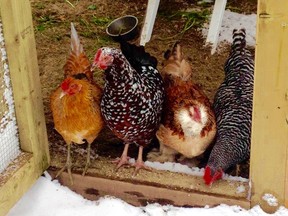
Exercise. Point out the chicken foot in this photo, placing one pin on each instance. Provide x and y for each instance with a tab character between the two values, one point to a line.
140	163
124	159
68	165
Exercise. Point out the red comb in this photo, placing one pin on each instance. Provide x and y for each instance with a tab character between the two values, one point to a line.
65	84
97	56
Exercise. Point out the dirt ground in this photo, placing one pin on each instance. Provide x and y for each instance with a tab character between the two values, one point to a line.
52	29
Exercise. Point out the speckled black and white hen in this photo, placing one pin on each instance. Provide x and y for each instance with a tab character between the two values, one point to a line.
233	110
133	96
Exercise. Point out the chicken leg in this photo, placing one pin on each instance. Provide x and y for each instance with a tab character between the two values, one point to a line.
68	165
88	159
140	163
124	159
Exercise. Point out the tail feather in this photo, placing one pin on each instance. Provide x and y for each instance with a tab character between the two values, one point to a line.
77	62
175	54
239	39
76	46
136	55
176	65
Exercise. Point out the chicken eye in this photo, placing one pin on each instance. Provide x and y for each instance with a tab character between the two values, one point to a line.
73	86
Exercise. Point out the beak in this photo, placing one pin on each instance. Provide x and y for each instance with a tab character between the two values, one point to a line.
93	67
62	94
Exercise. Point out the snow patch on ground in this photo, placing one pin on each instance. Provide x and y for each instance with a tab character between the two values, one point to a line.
176	167
180	168
232	20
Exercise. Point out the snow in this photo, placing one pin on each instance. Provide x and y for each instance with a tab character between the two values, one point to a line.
232	20
49	198
176	167
180	168
270	199
9	142
240	189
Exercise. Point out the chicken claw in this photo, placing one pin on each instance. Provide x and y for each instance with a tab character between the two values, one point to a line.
140	163
121	162
124	159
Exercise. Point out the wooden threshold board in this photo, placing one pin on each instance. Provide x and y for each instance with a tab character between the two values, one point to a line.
163	187
20	161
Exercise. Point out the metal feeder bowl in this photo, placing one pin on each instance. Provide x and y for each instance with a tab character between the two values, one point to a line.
125	26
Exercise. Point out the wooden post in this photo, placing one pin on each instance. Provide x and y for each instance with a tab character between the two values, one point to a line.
269	164
21	52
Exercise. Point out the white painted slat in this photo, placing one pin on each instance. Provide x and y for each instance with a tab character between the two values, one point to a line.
150	17
215	24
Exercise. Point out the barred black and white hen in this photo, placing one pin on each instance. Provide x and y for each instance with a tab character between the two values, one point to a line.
233	110
133	96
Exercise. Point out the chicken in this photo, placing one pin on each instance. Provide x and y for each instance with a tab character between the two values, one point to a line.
133	96
188	123
75	104
233	110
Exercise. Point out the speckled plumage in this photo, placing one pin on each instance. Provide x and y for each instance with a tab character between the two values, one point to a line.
132	101
233	108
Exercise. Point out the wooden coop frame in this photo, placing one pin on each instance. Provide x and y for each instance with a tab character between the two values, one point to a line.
20	46
269	151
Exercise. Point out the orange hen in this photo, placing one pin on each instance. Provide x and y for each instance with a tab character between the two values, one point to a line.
188	123
75	103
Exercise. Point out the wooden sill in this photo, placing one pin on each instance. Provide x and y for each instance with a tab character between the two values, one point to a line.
16	180
163	187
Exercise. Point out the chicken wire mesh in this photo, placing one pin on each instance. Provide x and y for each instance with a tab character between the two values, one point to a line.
9	141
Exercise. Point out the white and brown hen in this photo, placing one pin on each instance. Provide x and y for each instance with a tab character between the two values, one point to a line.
188	123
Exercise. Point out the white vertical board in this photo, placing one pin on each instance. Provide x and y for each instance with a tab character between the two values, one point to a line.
215	24
150	17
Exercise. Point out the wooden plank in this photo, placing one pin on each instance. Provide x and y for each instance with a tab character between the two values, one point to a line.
148	25
215	24
137	194
16	180
156	182
3	106
269	170
21	51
